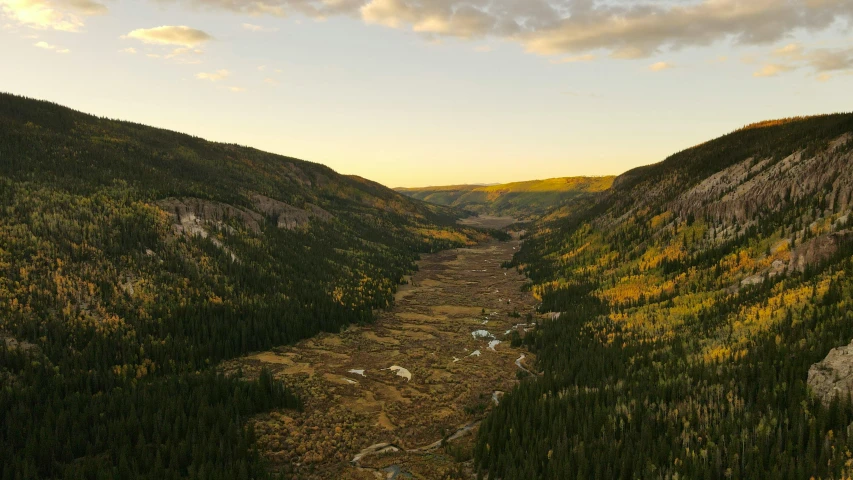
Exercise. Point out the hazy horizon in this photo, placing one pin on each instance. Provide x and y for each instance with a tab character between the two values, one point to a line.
412	94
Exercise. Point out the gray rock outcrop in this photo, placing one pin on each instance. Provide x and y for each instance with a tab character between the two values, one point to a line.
833	376
818	249
190	215
287	216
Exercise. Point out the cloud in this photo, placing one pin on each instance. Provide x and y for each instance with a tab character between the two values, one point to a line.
257	28
130	50
53	48
463	20
170	35
622	29
822	61
574	59
280	8
772	69
86	7
830	60
237	89
185	55
483	48
63	15
792	50
642	29
660	66
271	81
749	59
213	76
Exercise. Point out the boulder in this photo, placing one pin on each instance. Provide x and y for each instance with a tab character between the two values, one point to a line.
833	375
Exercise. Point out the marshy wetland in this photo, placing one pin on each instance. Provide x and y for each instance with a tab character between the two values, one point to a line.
402	397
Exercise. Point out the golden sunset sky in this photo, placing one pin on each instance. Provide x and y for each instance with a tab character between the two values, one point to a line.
426	92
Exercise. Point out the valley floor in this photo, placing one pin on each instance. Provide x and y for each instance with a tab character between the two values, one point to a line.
427	369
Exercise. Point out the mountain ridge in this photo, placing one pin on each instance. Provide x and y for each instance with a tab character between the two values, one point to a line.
135	259
524	198
691	300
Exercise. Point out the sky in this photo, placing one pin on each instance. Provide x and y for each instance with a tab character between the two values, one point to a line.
435	92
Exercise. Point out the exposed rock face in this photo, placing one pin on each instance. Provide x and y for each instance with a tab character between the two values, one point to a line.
833	375
288	216
319	212
756	186
776	268
818	249
740	195
191	214
13	344
127	287
752	280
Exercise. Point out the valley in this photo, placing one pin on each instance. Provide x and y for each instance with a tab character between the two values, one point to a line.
426	240
177	308
427	369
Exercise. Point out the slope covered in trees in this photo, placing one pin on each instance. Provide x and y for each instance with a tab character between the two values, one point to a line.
520	199
693	298
133	260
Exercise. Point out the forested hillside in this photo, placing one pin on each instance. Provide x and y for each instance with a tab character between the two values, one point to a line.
133	260
524	200
693	297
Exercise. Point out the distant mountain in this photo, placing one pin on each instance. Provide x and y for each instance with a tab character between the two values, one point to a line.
690	301
520	199
134	259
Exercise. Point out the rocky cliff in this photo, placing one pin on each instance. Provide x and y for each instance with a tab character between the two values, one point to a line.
833	376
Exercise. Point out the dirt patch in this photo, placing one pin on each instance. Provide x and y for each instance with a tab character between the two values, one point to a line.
420	317
385	422
299	369
419	327
414	334
403	292
443	413
458	310
391	394
270	357
383	340
365	404
338	379
332	341
331	355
